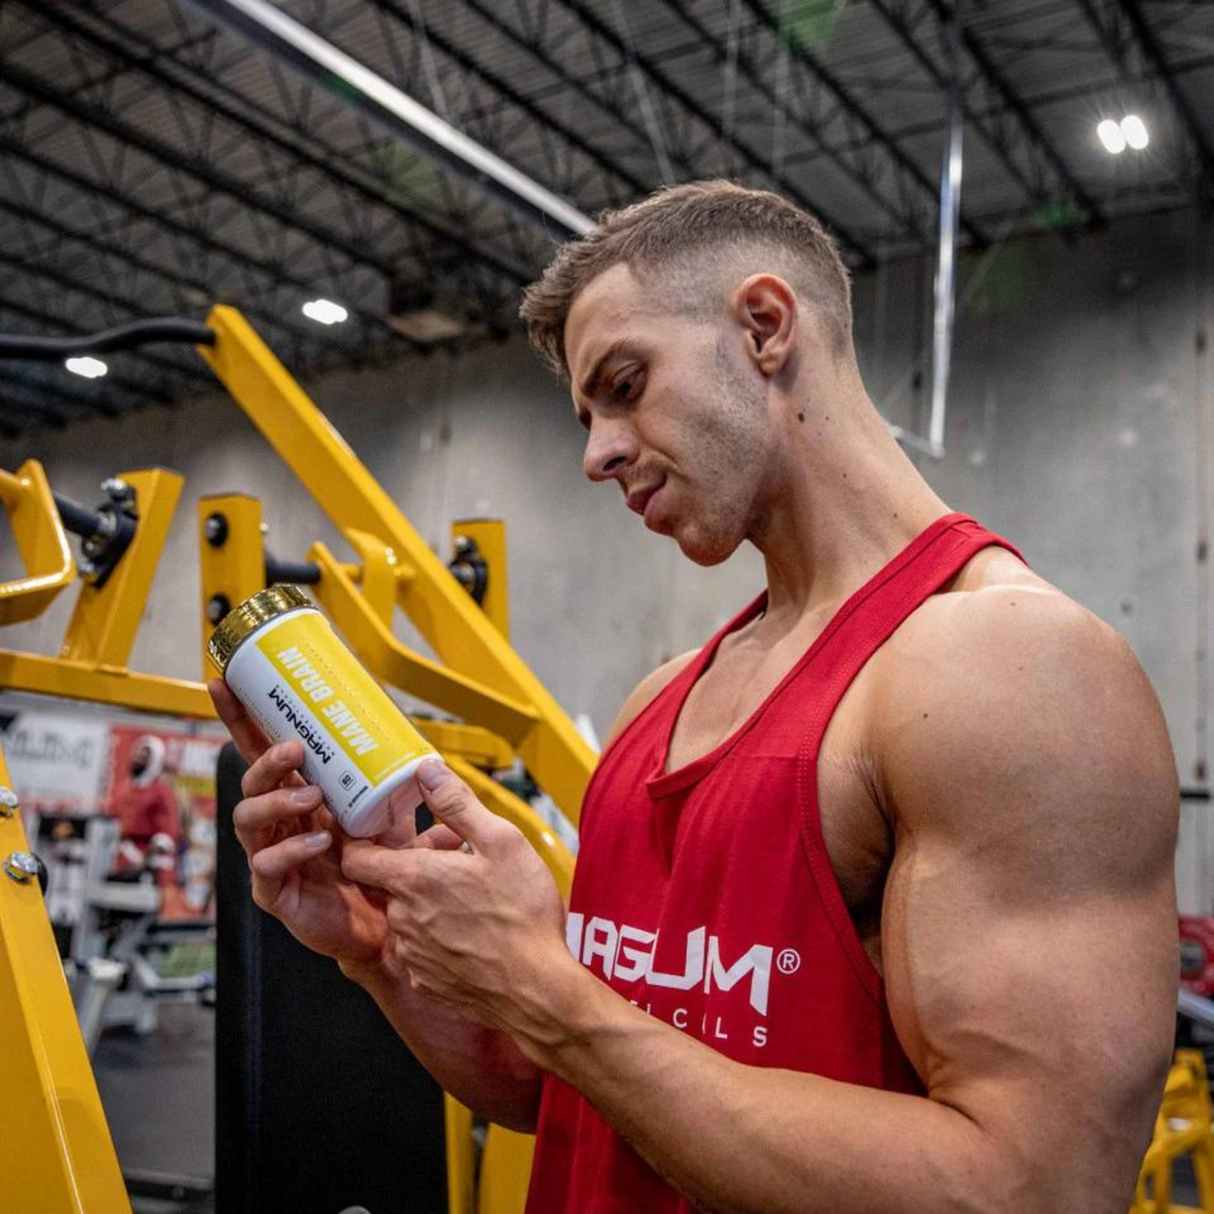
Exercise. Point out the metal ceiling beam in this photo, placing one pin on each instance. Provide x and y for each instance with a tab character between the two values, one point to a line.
161	391
92	114
502	86
134	387
175	281
1034	101
541	54
245	266
747	155
46	397
198	245
34	400
238	259
1014	104
1106	18
63	282
924	181
400	114
864	181
1197	132
155	64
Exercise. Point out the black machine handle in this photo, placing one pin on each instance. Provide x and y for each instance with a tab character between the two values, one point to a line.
123	337
105	533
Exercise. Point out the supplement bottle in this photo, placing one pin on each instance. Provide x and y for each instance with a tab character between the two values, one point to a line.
297	679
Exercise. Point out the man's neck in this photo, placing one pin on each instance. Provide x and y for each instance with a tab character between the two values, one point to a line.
847	500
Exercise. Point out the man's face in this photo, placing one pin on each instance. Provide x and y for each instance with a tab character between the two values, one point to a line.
676	413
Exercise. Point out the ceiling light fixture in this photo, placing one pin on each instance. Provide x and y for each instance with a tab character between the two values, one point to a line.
86	365
1112	136
1135	132
325	312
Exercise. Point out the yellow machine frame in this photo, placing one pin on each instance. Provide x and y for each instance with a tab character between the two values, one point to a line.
56	1145
504	711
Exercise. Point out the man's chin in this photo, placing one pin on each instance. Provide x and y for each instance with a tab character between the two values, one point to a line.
704	550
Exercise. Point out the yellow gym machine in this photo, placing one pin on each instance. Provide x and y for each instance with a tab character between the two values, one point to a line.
56	1150
1183	1129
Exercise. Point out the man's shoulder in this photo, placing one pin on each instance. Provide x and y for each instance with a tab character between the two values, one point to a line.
1003	690
996	619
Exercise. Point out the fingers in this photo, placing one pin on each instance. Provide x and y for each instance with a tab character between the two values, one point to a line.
246	733
402	823
271	864
455	805
438	838
256	817
279	763
394	870
368	864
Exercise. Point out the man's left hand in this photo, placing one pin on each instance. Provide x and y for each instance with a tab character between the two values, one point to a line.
475	916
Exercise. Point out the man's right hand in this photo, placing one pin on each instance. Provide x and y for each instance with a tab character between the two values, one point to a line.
294	847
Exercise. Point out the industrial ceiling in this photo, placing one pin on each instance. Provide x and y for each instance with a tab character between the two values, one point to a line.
153	162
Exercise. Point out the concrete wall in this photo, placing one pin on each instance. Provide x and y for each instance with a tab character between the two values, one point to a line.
1079	427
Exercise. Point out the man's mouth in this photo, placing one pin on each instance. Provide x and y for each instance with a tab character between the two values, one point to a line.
638	499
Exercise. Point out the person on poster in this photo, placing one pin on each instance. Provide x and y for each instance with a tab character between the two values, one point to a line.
146	809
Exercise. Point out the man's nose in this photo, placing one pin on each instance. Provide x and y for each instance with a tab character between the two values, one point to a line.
608	449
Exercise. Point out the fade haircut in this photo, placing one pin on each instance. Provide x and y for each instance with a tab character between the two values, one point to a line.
682	240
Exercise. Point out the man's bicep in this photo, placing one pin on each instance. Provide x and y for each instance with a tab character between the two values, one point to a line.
1045	1008
1029	926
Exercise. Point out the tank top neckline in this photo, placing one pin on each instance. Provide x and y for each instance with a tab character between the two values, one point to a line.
662	783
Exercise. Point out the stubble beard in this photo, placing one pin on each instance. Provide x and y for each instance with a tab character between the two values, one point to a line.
732	451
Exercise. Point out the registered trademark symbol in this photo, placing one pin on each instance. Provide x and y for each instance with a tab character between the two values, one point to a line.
789	961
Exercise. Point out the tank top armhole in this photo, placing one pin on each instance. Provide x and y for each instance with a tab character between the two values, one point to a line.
975	539
813	844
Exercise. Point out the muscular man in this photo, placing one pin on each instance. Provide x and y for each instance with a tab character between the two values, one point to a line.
874	909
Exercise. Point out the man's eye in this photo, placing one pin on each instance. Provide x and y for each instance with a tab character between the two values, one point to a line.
625	388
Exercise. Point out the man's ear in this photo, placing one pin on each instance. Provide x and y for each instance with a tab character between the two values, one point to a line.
766	308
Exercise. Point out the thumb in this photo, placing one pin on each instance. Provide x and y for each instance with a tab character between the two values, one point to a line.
454	804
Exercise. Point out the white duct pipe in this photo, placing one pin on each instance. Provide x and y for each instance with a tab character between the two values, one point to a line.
400	114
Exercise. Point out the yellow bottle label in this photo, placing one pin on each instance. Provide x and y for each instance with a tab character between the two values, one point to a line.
341	696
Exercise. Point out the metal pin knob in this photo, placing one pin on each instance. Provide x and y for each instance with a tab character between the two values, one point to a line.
115	487
8	802
22	866
216	529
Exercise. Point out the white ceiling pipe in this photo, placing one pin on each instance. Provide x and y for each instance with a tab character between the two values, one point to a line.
324	64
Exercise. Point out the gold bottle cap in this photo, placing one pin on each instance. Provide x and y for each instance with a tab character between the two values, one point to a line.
262	607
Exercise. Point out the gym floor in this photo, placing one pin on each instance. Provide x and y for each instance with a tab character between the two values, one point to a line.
159	1096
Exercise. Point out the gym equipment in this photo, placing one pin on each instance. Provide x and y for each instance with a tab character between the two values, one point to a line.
56	1148
504	710
118	942
365	1126
1182	1128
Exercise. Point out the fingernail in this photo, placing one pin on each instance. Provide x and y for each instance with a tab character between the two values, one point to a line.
433	773
316	840
305	796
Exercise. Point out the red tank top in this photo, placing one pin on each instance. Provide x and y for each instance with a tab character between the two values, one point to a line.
706	896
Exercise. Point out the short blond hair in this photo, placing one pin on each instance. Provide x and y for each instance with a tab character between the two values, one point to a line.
689	231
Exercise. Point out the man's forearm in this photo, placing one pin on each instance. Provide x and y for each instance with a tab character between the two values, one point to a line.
480	1067
736	1139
